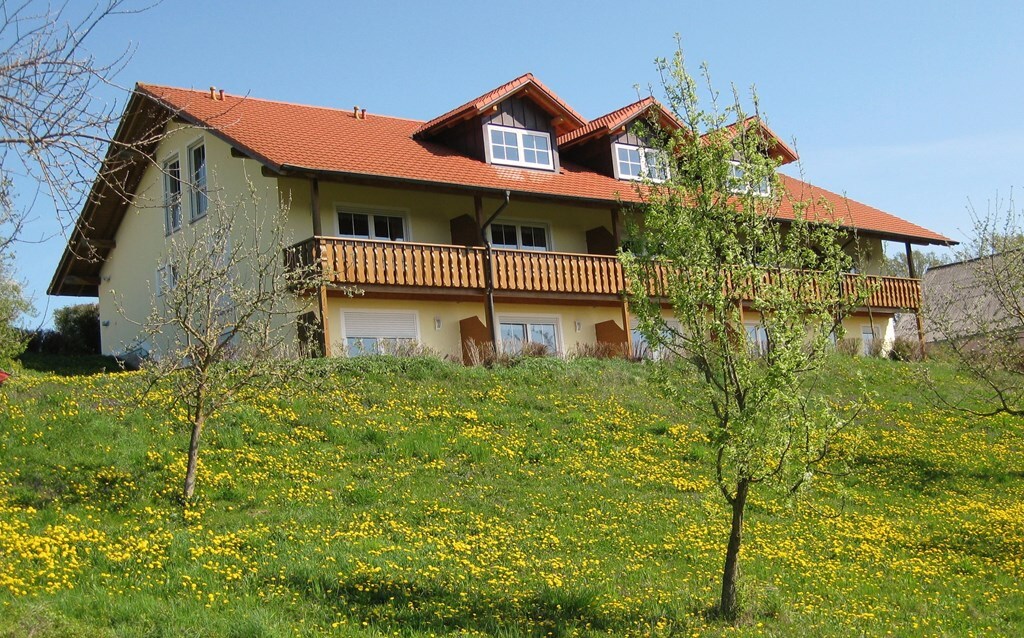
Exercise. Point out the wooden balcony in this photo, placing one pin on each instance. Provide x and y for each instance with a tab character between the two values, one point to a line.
358	262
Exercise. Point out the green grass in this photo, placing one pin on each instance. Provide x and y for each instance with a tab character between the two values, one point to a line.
417	498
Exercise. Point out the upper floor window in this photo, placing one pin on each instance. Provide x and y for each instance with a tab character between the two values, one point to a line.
519	236
738	182
172	195
166	278
197	178
638	162
371	226
516	147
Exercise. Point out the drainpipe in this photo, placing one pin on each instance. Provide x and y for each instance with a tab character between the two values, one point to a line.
489	270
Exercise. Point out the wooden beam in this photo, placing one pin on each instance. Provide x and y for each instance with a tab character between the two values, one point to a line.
325	322
239	154
912	271
314	206
266	171
616	227
81	280
910	261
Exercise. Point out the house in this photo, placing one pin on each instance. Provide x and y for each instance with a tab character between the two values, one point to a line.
396	207
972	299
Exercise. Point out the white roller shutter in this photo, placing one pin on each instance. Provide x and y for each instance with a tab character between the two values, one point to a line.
385	325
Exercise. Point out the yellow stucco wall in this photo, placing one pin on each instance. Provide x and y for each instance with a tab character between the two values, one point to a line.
446	340
128	277
428	214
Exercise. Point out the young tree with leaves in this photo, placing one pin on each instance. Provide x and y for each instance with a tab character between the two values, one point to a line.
758	301
222	328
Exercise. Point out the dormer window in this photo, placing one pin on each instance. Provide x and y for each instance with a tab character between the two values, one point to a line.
518	147
639	162
738	183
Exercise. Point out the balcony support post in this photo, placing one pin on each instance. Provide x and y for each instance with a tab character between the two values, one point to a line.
917	314
489	263
616	227
314	207
625	325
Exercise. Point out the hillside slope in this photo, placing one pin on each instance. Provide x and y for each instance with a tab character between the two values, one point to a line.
418	498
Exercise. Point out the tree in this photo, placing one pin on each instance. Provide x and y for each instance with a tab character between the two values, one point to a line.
54	126
223	322
79	325
12	306
896	265
977	312
758	303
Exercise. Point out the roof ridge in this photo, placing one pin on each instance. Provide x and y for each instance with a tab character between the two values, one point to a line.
237	96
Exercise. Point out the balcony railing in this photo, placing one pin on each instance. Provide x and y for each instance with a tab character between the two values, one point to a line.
358	262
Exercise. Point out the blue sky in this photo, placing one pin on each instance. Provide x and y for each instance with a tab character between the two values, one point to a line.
912	107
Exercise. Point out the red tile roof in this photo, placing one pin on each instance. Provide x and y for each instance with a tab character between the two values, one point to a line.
784	152
849	213
287	136
614	120
497	95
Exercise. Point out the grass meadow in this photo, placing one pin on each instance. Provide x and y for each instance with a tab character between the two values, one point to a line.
412	497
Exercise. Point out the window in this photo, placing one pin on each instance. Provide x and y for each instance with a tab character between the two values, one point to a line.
643	349
517	147
166	279
197	179
739	184
378	332
757	339
172	195
371	226
519	236
637	162
516	332
867	340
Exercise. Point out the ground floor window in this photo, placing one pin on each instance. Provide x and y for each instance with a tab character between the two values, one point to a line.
867	340
757	338
644	349
378	332
517	332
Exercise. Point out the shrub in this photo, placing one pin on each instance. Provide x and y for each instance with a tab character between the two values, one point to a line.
80	327
598	351
906	349
849	346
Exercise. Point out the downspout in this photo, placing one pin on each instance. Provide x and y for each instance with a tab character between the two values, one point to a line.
489	270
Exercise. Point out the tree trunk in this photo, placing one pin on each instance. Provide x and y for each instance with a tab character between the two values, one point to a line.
728	607
193	456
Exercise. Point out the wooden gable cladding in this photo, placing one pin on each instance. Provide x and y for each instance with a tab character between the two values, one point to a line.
520	112
595	154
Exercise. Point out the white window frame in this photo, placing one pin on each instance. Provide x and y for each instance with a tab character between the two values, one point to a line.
345	330
169	226
643	349
198	192
166	278
740	186
519	235
867	344
355	209
644	162
519	132
531	320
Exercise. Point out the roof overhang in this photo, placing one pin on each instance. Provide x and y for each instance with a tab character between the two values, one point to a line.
92	238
